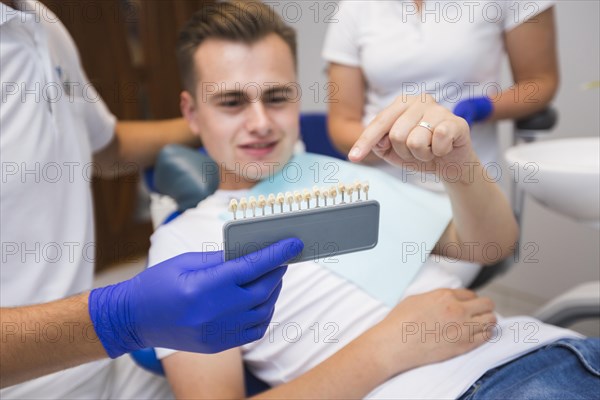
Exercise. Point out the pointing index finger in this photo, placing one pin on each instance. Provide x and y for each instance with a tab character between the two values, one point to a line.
376	130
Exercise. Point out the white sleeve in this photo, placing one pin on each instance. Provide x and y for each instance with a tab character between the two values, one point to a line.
99	121
341	41
518	12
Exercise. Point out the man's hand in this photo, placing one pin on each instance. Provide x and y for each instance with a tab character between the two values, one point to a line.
418	134
433	327
396	136
194	302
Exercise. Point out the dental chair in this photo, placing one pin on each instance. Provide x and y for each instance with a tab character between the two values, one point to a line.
182	177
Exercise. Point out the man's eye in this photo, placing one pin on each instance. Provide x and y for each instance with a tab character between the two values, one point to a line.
277	99
230	103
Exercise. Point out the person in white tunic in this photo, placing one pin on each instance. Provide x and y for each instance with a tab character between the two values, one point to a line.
53	328
379	50
453	51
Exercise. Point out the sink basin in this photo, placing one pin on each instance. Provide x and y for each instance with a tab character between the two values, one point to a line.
563	174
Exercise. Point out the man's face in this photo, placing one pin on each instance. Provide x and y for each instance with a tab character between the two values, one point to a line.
246	107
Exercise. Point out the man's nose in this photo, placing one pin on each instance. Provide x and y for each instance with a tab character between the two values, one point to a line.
257	120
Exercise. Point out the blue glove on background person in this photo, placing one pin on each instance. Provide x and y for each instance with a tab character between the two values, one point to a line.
474	110
193	302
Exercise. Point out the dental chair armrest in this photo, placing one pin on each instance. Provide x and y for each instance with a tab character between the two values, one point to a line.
536	125
489	272
186	175
581	302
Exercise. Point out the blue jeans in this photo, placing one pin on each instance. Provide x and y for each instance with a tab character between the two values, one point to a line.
565	369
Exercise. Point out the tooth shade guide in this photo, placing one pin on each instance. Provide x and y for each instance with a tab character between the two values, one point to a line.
315	227
243	206
358	186
350	190
316	195
271	202
305	195
252	204
289	199
342	189
233	205
307	198
324	194
333	194
262	202
298	197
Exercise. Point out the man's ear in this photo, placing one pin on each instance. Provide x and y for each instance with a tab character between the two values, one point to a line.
189	110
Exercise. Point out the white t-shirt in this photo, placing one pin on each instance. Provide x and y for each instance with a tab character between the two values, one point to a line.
451	50
49	129
318	313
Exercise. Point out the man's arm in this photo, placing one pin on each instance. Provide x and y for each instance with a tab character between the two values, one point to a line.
483	228
138	143
41	339
351	373
206	376
378	354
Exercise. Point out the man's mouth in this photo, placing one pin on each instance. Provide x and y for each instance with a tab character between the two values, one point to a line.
258	149
258	145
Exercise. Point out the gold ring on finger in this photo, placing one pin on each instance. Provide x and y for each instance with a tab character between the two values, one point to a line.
426	125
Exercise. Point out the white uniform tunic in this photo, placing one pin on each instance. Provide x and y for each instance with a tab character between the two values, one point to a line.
51	121
452	50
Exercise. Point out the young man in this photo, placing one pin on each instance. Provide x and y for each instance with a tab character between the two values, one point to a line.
239	67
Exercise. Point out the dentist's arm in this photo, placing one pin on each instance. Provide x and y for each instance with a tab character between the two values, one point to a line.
531	49
483	228
185	303
347	91
41	339
137	143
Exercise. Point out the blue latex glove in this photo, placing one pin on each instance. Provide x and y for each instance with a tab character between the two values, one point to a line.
193	302
474	110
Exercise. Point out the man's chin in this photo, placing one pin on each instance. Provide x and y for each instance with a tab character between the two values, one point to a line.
251	171
258	170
